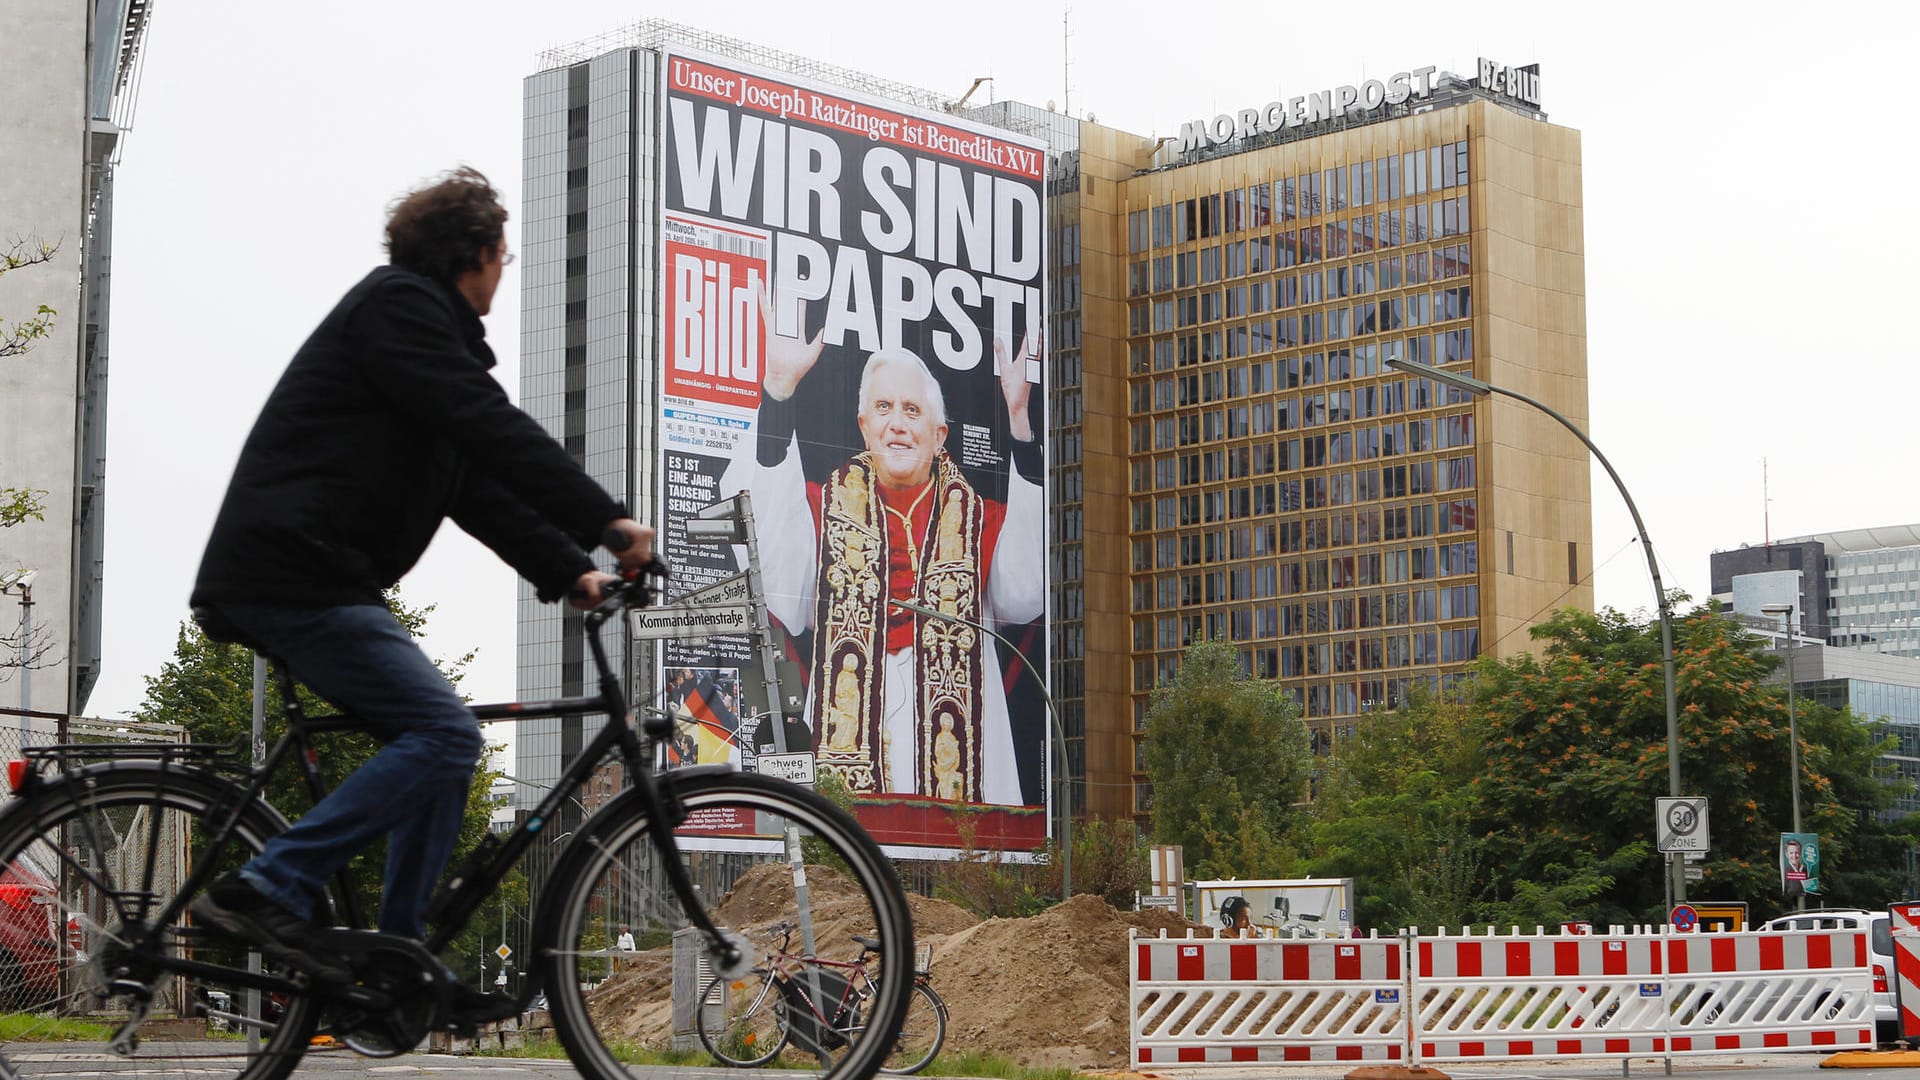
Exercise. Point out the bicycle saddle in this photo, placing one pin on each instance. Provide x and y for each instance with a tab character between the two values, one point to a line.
865	942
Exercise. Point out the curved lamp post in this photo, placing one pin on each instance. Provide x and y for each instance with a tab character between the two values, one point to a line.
1480	388
1053	716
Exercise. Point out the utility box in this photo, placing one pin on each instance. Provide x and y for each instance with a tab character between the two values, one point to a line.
690	977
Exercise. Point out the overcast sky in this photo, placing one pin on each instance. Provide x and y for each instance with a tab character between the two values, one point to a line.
1747	230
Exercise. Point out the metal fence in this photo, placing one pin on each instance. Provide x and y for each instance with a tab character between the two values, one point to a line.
1416	999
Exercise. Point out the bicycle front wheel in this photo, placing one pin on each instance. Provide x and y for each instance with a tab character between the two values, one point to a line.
742	1022
764	855
85	867
921	1033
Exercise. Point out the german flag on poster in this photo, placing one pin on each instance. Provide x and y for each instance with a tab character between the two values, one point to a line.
705	706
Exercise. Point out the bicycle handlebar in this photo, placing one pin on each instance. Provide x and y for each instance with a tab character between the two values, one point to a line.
635	589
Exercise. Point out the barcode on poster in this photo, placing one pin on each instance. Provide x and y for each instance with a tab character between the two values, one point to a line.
737	245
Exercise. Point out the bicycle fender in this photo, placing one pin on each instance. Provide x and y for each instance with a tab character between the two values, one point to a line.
674	777
269	821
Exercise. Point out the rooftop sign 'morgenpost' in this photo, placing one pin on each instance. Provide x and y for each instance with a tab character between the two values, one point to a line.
1521	83
1307	109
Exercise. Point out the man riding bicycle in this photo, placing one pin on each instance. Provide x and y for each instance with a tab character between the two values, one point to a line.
385	423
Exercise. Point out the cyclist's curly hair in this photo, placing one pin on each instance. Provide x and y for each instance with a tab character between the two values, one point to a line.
444	229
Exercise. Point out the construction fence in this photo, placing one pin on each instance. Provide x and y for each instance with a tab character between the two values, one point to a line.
1417	1000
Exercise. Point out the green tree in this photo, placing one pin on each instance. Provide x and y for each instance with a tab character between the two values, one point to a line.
1392	813
1109	861
207	688
1575	754
1228	759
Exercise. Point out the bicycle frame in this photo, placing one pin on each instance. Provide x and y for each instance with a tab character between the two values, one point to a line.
858	978
477	876
481	872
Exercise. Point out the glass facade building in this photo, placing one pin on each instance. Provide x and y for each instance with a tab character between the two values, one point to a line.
1229	457
1350	530
586	304
1877	689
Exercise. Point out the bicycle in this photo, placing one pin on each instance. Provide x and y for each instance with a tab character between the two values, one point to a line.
121	837
804	999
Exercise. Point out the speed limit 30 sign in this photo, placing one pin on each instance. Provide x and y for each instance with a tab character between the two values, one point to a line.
1681	824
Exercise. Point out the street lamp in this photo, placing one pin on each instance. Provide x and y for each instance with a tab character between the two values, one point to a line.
1793	727
21	581
1676	869
1059	734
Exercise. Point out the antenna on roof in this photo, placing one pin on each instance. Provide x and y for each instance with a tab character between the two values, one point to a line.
1766	511
1066	57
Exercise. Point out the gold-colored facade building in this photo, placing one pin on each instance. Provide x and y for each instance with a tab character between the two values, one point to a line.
1233	460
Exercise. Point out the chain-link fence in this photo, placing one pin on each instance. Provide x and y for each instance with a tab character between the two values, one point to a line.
59	876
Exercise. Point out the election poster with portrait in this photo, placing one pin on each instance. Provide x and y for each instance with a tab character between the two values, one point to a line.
852	298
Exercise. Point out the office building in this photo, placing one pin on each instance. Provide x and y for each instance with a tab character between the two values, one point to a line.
1877	688
73	72
1853	589
1228	456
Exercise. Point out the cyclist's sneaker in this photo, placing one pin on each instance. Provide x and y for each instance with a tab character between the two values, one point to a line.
242	911
471	1007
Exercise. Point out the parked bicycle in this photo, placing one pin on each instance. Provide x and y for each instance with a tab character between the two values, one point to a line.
807	1000
127	834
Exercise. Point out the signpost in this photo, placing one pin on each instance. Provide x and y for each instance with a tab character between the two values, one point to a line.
1681	824
1728	916
1685	918
737	589
794	768
687	622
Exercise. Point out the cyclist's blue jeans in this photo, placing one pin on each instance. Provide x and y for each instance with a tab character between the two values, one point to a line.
362	660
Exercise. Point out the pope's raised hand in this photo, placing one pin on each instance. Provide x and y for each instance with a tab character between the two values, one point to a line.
1014	386
788	358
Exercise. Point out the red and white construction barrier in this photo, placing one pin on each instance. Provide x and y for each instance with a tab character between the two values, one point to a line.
1906	965
1471	998
1198	1000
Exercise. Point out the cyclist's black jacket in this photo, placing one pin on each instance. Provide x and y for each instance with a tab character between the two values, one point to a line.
386	423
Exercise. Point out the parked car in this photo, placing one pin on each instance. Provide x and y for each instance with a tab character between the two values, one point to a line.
30	925
1886	1013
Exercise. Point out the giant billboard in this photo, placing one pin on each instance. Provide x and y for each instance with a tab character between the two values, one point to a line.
852	298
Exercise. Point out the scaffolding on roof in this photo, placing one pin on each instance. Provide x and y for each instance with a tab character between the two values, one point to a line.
654	33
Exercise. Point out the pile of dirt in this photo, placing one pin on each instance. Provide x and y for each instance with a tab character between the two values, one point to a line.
636	1004
1050	990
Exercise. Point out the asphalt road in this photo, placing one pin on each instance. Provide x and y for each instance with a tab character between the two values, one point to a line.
82	1062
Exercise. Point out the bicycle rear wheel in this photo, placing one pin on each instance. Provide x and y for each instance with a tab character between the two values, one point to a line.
921	1033
83	864
741	838
742	1022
